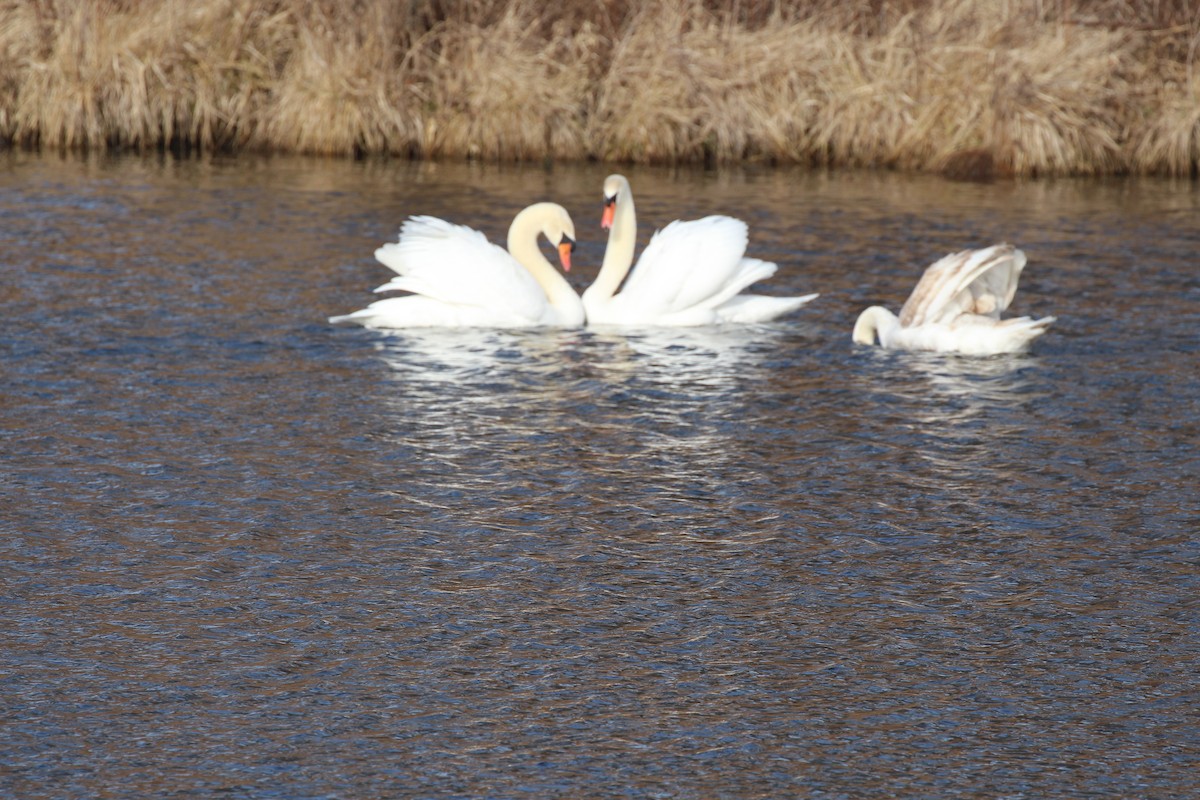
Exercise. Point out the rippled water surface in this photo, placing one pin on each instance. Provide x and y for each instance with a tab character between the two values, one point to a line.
246	554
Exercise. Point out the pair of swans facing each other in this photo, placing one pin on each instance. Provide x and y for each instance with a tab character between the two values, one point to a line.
691	273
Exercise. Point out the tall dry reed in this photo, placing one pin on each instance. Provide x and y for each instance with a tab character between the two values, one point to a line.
1018	86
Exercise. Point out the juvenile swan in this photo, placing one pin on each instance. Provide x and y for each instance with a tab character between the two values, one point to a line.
955	308
458	279
691	273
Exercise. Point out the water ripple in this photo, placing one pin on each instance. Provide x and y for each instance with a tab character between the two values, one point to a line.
247	554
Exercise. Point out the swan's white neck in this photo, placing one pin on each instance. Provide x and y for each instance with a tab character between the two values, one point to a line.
523	246
618	254
875	321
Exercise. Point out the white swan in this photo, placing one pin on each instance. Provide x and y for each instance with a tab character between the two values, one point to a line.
459	279
690	273
955	308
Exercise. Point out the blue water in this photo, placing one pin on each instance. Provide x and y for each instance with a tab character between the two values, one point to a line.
245	554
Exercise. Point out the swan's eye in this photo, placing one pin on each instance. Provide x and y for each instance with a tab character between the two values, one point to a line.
567	240
610	201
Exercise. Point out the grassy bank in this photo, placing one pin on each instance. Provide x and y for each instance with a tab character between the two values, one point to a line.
970	86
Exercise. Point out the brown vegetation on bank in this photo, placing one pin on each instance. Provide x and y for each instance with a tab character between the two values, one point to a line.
968	86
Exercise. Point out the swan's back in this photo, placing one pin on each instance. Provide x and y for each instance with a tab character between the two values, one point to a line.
979	282
458	266
693	265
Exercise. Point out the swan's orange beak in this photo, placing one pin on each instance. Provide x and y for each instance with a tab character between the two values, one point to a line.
565	248
610	211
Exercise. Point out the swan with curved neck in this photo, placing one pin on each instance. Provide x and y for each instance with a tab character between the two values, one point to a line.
956	307
691	273
456	278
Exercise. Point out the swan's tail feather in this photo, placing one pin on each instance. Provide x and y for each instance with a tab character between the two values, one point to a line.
410	311
405	283
1028	325
359	317
391	255
745	308
1021	331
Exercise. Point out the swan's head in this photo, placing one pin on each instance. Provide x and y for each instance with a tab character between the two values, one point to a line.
550	220
565	248
559	230
870	324
614	185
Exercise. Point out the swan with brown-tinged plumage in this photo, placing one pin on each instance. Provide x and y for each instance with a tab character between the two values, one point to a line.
956	307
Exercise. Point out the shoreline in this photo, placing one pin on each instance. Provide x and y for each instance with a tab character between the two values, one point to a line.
959	88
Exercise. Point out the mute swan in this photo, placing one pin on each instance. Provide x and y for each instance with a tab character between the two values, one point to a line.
955	308
459	279
689	274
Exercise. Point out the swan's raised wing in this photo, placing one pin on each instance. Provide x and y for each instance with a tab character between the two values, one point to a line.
693	264
979	282
457	265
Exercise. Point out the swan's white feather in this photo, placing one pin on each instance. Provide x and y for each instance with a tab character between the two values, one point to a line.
691	273
747	308
418	311
457	278
685	264
458	265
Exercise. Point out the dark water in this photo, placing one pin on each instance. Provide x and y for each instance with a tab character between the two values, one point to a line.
244	554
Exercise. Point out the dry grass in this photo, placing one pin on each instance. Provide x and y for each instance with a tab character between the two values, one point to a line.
1026	87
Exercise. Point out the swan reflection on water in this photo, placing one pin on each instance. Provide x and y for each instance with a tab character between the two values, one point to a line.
465	356
667	358
679	402
650	399
683	397
969	386
965	417
684	359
